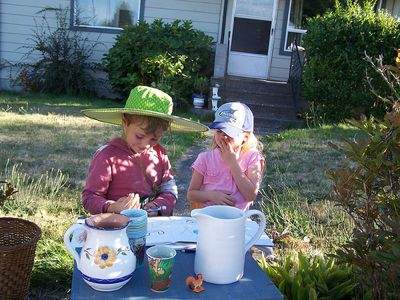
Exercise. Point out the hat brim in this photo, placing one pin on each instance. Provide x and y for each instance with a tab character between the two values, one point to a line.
113	116
229	129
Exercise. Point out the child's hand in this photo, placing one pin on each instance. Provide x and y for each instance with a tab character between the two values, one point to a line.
151	205
129	202
222	198
227	152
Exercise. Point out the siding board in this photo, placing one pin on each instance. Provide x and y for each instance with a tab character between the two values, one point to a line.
280	64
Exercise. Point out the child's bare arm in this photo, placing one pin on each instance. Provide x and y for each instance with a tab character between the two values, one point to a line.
248	183
217	197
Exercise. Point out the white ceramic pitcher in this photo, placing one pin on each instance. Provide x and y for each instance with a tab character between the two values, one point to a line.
221	247
106	261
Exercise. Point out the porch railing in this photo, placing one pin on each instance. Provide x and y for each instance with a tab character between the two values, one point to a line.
296	72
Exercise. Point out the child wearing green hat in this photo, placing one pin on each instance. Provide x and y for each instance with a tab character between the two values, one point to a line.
134	167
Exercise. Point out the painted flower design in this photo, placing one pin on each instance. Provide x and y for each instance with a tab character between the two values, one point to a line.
104	257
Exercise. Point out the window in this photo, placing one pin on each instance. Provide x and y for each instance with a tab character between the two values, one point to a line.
294	24
251	36
297	11
103	15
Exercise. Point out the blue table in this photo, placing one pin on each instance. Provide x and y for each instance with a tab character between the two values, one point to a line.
255	284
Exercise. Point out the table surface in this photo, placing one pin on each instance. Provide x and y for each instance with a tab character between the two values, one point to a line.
255	284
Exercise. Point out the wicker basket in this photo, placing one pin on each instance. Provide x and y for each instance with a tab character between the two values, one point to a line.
18	239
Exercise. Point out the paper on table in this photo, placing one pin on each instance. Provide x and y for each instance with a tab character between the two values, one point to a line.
168	230
161	230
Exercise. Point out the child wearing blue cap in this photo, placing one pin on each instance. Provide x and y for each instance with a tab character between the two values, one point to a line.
230	173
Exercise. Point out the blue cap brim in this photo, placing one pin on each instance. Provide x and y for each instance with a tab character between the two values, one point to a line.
227	128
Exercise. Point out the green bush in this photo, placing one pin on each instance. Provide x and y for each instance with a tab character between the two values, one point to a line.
165	55
300	277
335	44
63	66
368	188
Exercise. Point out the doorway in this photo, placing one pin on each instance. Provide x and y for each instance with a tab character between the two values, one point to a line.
252	32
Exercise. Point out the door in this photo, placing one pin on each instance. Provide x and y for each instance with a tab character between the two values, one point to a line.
250	47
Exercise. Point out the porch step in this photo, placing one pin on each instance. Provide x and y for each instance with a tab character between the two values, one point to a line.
254	86
270	101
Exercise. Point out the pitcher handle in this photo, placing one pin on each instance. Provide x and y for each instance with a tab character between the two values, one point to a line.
260	230
67	243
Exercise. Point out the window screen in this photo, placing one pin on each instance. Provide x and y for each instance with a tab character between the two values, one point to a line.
251	36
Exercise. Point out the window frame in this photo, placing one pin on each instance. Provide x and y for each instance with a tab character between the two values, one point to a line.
286	29
101	29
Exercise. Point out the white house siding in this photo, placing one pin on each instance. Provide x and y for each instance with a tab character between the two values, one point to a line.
205	14
17	22
280	64
16	25
393	6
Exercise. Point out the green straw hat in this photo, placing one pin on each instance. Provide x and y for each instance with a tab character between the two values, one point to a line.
145	101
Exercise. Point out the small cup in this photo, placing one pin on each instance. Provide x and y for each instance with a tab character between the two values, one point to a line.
161	261
136	232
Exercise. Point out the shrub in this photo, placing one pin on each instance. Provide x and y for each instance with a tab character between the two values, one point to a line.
368	188
300	277
335	45
63	66
168	55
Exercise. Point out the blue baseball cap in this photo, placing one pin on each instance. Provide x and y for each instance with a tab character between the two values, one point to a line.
233	118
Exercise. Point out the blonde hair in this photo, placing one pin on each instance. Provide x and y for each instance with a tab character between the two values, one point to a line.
250	143
152	123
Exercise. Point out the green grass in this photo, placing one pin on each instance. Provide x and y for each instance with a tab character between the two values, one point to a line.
45	149
297	194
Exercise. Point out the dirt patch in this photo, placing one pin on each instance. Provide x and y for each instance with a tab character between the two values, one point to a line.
183	174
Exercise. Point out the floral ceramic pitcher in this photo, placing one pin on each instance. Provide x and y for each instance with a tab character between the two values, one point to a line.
106	261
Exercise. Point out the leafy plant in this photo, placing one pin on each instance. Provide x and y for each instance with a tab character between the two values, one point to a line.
335	44
171	54
6	190
201	85
63	66
368	188
300	277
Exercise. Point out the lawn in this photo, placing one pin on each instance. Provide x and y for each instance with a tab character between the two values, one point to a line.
46	146
297	193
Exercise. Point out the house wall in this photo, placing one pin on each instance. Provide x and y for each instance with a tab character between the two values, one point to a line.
17	20
280	64
393	6
205	14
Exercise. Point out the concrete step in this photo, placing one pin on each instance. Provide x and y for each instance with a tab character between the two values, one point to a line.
262	99
254	86
270	101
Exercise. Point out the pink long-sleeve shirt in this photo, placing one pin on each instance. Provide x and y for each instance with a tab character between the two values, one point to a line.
116	171
217	175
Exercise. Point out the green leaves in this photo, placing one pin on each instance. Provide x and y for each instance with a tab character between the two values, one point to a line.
300	277
368	188
165	55
335	73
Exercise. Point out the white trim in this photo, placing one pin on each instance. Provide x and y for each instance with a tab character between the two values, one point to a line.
252	17
231	27
221	20
248	54
296	30
290	29
272	37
